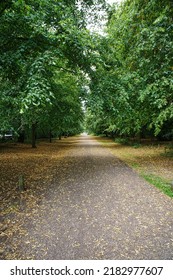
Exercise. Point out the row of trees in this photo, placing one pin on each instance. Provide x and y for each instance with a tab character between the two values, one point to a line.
131	89
45	51
50	63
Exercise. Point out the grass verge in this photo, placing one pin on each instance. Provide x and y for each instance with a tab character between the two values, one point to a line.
153	162
160	183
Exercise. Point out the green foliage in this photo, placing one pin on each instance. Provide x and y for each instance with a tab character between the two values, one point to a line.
44	52
133	72
122	140
50	64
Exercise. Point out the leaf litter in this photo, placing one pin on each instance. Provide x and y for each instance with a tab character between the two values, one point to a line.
26	210
17	207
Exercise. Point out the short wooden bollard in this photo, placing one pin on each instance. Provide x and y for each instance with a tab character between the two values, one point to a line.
21	183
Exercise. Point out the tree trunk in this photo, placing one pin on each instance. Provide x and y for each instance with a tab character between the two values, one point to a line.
138	137
34	135
21	137
50	136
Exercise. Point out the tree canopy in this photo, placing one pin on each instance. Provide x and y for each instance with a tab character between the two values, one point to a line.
44	49
133	82
50	64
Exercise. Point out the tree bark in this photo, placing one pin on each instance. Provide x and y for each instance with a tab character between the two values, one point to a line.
34	135
138	137
21	137
50	136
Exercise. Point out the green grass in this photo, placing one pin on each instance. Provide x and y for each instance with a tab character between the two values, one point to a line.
135	164
160	183
169	150
123	141
168	154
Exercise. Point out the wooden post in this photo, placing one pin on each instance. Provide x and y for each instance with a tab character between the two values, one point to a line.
21	183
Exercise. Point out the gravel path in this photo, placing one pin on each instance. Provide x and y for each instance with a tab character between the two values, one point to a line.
99	208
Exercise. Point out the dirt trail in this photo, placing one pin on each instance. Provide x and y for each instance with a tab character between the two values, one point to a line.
97	208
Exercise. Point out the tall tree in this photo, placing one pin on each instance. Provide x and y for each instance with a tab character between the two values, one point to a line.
138	67
34	36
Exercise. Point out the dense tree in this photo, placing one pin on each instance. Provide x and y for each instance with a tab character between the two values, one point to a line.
133	79
37	38
50	63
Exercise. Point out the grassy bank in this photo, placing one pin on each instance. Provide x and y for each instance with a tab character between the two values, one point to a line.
154	162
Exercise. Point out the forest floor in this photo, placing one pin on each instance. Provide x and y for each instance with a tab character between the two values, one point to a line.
82	202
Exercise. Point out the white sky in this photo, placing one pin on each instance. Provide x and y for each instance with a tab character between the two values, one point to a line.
99	28
113	1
